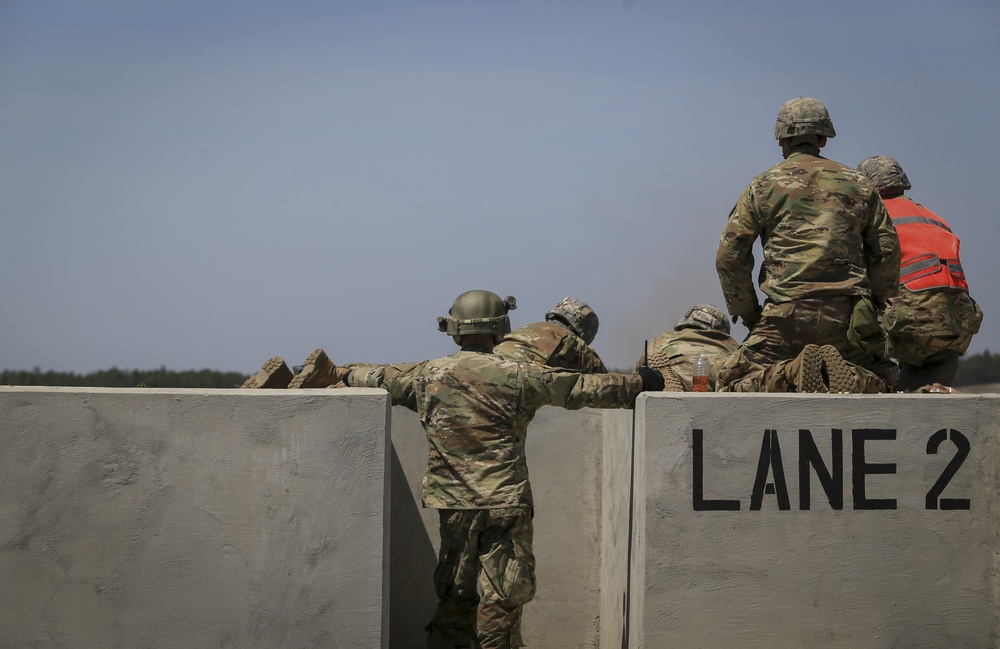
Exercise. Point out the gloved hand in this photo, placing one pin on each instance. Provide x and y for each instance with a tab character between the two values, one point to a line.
750	321
652	380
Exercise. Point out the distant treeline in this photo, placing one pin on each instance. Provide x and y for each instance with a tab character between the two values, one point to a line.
975	369
116	378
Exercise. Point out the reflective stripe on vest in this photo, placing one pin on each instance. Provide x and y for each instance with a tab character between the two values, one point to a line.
909	220
928	247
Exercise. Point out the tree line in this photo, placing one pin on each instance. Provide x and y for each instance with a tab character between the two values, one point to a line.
117	378
974	369
977	369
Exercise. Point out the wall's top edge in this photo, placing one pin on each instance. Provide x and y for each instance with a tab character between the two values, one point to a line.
874	398
191	391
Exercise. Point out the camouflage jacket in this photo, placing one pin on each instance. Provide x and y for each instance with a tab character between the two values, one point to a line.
677	351
933	312
475	408
823	229
548	343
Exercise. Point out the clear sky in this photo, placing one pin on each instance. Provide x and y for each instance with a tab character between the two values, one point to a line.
205	184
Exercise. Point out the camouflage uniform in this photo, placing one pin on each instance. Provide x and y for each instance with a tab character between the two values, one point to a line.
677	350
475	407
831	260
931	322
552	344
921	324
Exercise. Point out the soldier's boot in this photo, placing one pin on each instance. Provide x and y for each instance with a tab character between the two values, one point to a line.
273	374
805	371
670	381
317	372
841	376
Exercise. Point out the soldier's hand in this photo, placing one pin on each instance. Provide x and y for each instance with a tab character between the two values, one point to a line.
750	321
652	380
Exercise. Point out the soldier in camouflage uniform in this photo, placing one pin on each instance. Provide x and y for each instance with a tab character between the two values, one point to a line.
703	330
831	261
931	322
475	407
563	340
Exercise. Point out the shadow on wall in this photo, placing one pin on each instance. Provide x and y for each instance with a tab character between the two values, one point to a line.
412	560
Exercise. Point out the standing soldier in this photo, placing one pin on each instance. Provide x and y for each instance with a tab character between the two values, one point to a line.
563	340
475	407
831	260
704	329
931	322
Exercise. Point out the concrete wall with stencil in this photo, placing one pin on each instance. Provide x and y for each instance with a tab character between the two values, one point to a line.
291	518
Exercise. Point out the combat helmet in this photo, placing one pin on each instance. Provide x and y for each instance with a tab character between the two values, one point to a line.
803	116
704	316
885	173
478	312
577	316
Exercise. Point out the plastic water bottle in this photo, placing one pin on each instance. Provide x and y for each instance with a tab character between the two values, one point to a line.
700	373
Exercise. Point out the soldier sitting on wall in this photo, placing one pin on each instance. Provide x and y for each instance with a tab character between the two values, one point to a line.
830	262
704	329
931	322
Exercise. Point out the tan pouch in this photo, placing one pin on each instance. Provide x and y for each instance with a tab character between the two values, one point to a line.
512	579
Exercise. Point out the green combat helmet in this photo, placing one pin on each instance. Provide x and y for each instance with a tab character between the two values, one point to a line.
803	116
478	312
576	316
885	173
704	316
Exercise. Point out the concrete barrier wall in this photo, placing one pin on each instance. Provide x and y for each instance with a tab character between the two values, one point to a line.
237	518
186	519
804	521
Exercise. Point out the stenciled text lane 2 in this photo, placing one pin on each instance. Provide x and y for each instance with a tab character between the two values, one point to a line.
770	478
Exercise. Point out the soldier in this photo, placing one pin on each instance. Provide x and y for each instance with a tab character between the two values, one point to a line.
704	329
563	340
830	262
475	407
931	322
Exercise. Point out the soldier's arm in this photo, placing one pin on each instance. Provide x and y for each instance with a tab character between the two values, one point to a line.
734	260
581	356
593	362
881	252
575	390
397	380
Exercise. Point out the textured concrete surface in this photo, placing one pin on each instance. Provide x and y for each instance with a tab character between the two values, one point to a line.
616	526
186	519
257	518
804	521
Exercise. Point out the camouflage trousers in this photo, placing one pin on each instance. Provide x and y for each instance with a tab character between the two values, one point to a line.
940	367
915	349
781	377
485	575
759	365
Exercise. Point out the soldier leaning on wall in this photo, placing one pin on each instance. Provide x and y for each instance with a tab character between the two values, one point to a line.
475	407
562	340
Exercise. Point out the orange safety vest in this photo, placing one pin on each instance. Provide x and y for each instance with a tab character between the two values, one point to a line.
928	247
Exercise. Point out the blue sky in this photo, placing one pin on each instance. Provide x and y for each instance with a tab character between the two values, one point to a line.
208	184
